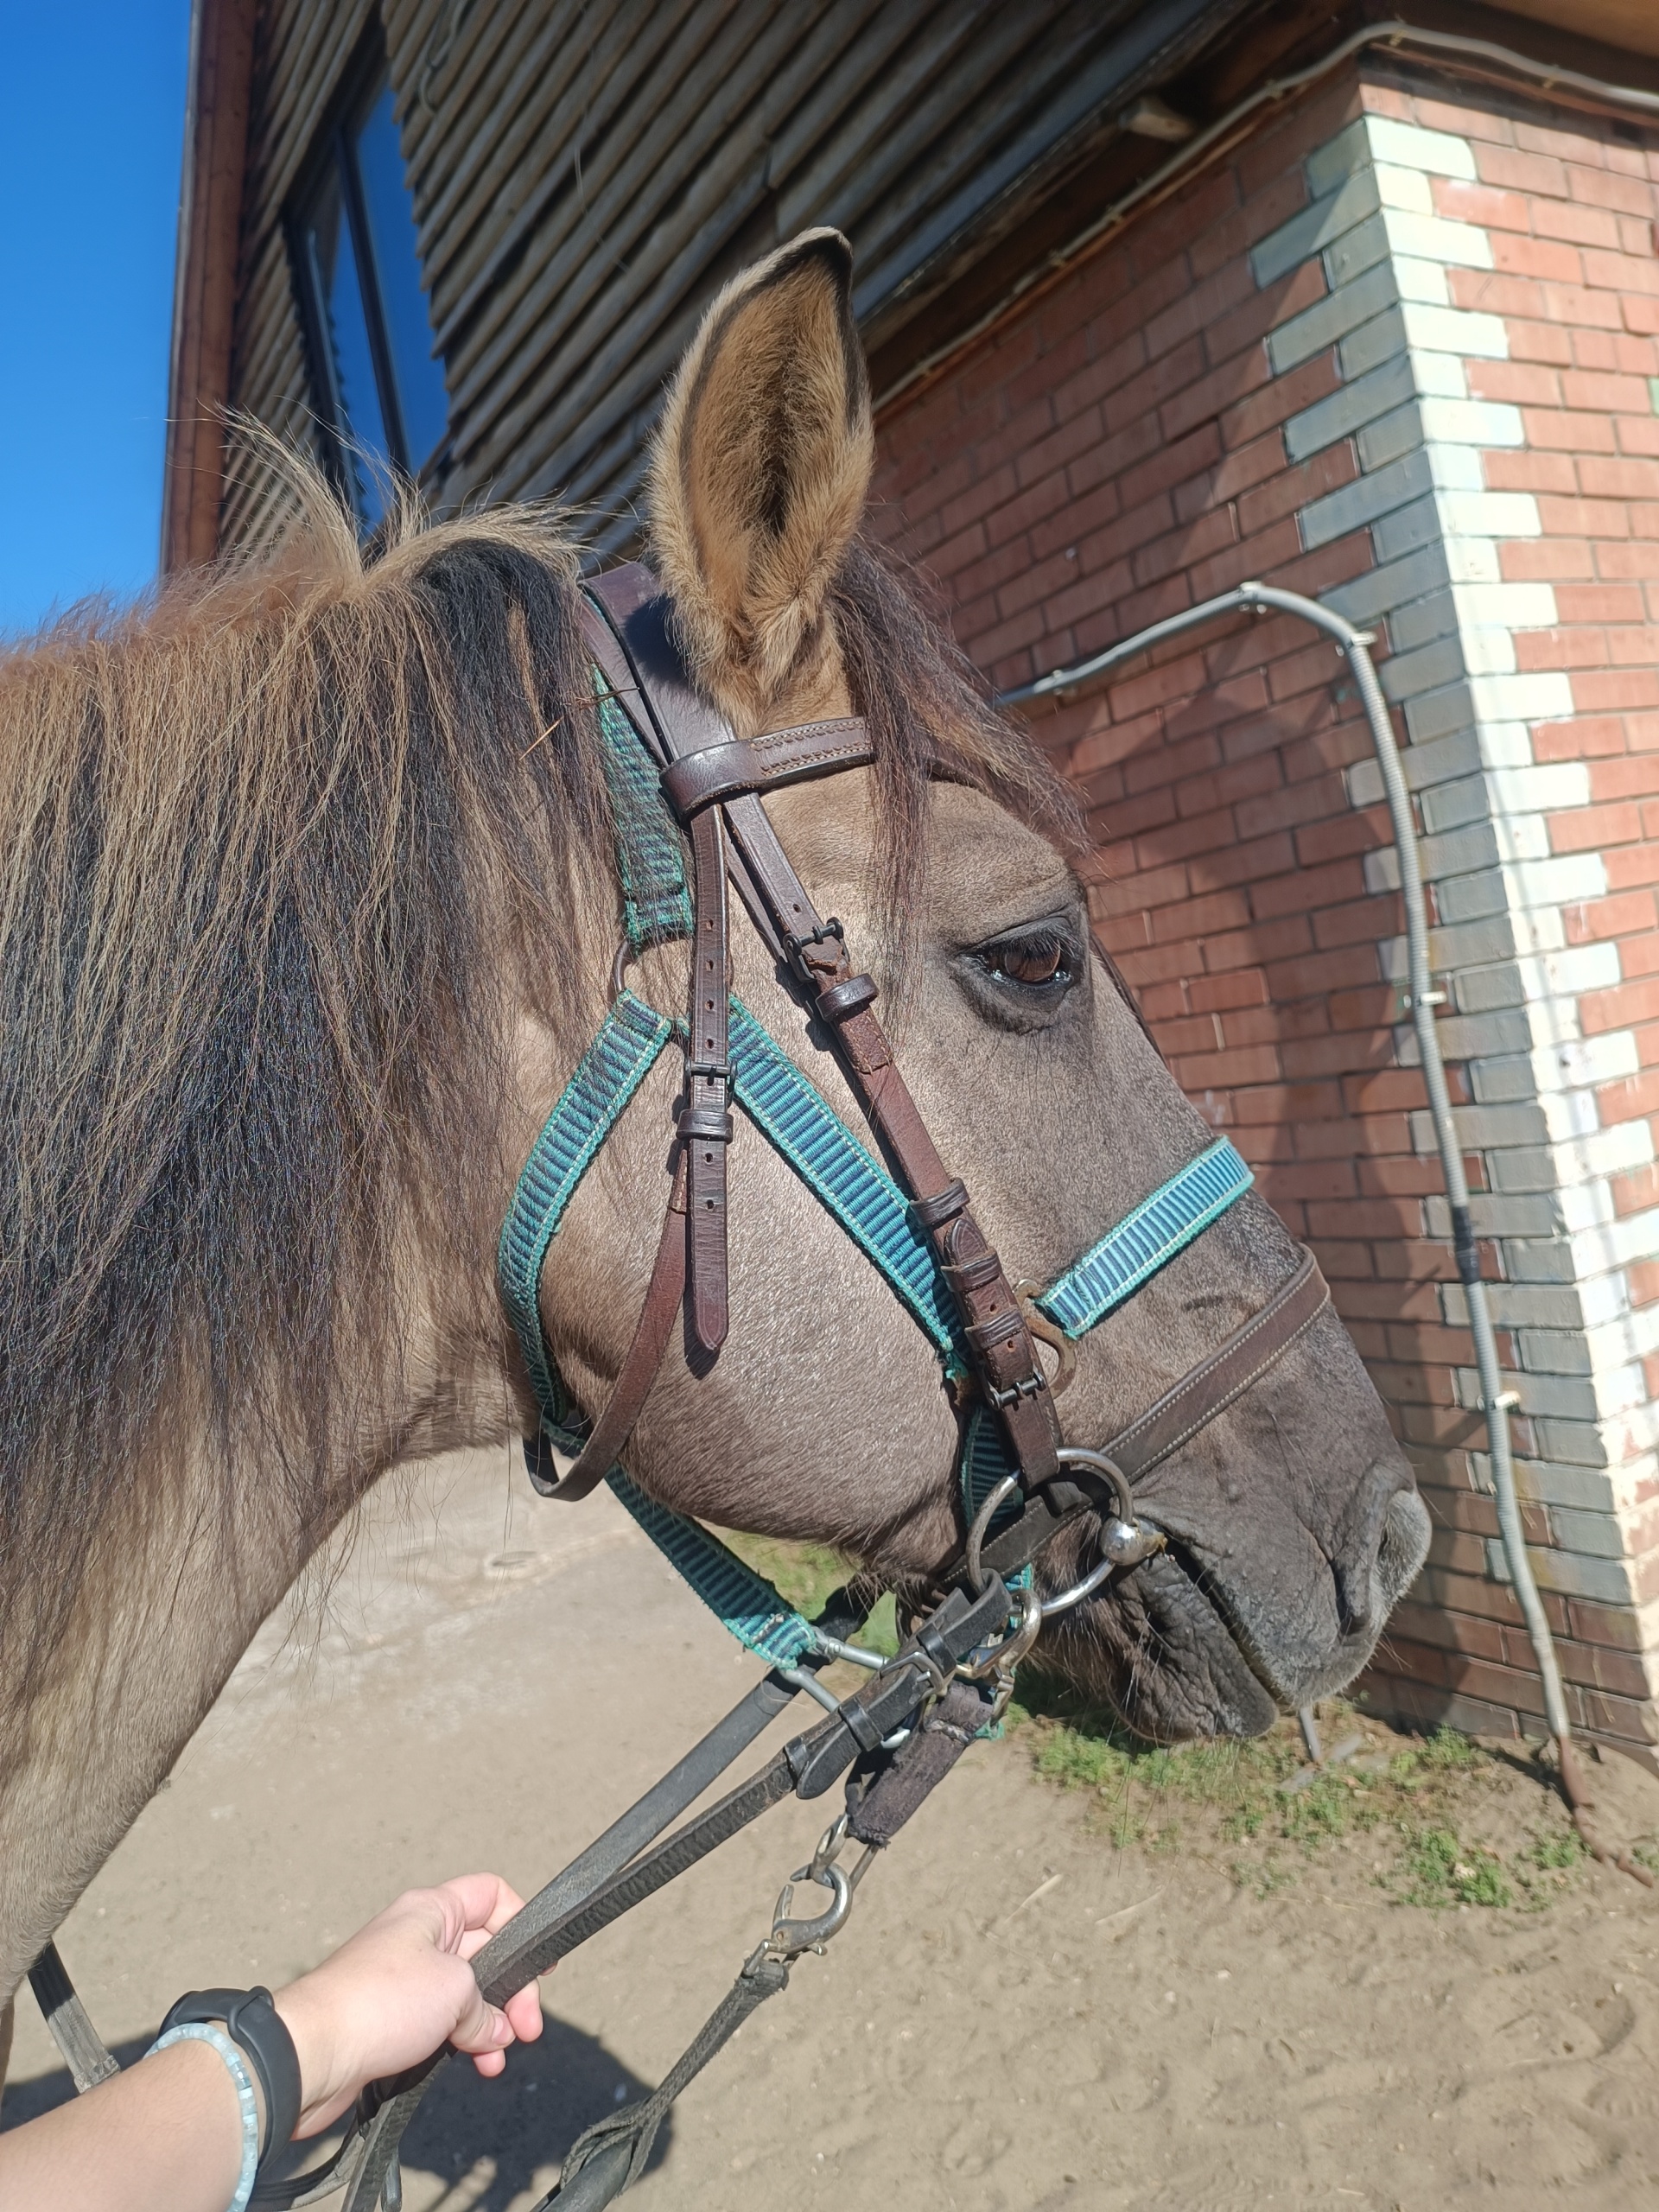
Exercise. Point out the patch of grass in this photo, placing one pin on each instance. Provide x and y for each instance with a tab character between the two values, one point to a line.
880	1632
804	1575
1408	1803
1439	1872
1446	1752
1565	1849
1550	1863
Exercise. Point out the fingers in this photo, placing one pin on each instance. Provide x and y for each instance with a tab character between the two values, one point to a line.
480	2028
477	1905
485	1904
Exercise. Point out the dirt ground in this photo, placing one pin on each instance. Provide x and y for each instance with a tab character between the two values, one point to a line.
1046	1997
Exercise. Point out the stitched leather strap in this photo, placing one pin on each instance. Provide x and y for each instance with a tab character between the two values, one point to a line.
1230	1371
611	1432
1202	1393
993	1324
766	764
705	1126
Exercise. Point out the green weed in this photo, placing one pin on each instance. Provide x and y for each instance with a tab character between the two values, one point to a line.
1439	1872
1235	1793
1565	1848
803	1574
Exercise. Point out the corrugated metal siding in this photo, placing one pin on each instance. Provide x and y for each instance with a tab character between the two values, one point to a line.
585	177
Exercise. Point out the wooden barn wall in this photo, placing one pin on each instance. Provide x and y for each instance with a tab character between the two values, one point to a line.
585	176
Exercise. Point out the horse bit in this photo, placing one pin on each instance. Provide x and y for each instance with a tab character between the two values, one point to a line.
678	776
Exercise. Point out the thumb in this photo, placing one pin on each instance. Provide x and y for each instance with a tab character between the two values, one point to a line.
480	2026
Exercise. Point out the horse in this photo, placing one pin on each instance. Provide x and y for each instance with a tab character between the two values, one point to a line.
308	900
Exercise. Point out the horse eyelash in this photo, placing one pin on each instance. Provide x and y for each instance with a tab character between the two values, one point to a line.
1041	943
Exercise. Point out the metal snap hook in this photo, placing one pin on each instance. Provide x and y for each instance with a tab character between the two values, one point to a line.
791	1937
1003	1657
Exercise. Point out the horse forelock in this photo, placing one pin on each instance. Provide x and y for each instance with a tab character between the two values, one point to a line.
286	853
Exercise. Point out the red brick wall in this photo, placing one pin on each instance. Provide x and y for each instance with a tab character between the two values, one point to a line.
1116	454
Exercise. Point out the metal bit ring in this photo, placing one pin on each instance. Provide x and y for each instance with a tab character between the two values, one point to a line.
1123	1541
976	1534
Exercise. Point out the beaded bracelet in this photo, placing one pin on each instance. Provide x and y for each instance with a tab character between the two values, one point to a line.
198	2031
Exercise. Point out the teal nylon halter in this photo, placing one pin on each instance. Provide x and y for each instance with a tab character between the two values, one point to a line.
839	1170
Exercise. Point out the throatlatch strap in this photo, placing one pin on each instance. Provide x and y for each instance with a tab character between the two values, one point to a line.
1147	1239
609	1073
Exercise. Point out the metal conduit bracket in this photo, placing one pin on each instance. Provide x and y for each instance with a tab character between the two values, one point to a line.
1421	999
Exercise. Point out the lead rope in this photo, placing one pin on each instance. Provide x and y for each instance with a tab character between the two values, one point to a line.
884	1725
610	2155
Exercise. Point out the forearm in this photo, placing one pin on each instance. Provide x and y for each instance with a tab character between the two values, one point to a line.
163	2136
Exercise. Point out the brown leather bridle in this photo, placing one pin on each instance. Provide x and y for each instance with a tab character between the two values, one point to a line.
714	783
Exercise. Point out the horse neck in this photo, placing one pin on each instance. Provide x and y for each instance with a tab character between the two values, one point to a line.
162	1619
182	1582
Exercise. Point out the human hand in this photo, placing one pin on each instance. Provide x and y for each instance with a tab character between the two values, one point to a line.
397	1989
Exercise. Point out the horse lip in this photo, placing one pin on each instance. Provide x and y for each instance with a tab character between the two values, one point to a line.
1350	1654
1206	1585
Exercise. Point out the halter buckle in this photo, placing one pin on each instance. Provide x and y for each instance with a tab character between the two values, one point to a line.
1029	1386
796	947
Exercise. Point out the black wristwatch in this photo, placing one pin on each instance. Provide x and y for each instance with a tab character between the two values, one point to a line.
254	2025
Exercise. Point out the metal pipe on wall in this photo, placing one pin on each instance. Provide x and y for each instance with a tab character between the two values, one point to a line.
1423	998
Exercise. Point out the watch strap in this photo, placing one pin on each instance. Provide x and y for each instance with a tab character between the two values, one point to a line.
254	2025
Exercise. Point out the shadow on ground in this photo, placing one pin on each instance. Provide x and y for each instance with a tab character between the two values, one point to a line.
511	2128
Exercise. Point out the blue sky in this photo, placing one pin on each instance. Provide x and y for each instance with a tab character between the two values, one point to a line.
91	125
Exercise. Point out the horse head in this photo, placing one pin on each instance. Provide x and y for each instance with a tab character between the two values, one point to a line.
1290	1521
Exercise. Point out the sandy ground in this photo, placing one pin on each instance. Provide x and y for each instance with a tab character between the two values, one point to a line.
1017	2015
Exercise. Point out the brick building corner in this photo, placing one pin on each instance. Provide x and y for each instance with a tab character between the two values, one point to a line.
1399	351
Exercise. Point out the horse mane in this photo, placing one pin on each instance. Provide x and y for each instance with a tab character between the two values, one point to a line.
287	851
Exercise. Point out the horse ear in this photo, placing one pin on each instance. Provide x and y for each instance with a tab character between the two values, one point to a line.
761	471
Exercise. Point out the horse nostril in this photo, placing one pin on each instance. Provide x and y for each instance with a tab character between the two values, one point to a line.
1356	1595
1382	1551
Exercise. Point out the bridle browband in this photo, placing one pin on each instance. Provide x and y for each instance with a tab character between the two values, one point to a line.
678	776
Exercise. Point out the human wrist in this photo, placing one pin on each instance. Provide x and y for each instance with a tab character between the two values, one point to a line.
247	2020
310	2024
177	2046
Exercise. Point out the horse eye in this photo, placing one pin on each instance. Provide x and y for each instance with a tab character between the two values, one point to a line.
1035	961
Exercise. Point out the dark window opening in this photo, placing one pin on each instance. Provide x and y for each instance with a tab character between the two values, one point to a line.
379	392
